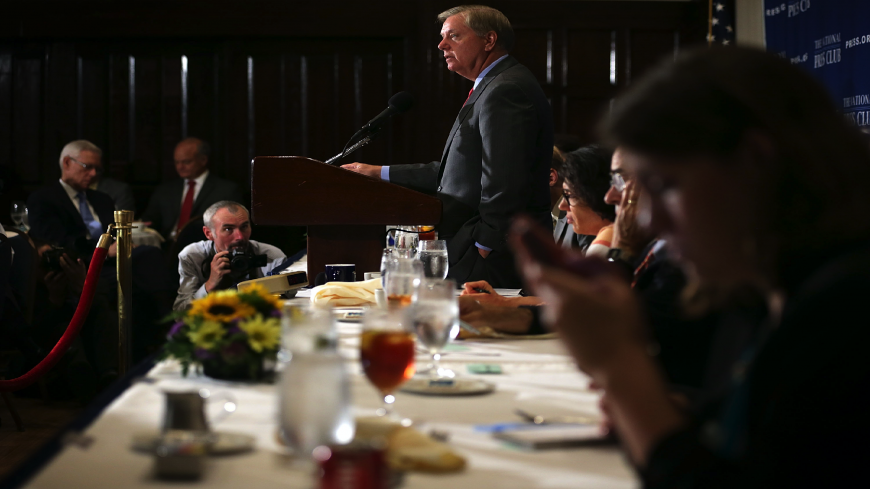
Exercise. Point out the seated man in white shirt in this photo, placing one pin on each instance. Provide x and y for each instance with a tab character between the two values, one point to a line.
227	257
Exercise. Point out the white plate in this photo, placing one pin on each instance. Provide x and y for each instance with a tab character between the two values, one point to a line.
459	387
224	443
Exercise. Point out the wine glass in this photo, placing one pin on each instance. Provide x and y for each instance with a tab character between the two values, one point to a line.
386	354
401	274
433	254
434	317
18	212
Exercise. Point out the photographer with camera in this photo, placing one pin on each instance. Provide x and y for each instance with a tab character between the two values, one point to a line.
226	258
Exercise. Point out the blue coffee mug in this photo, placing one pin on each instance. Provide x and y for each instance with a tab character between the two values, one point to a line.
341	273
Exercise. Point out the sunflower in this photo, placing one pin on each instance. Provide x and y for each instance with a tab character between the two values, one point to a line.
263	334
223	305
262	295
207	334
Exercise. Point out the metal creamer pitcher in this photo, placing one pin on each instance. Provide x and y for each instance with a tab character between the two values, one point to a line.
185	410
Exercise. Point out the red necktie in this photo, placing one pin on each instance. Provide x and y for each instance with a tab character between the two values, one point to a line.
187	205
643	266
468	97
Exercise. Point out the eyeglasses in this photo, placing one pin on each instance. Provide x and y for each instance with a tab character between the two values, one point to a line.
617	181
571	199
96	168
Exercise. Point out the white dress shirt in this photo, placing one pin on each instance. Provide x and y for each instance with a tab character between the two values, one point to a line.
74	197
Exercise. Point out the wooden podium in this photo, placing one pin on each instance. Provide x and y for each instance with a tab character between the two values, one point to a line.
346	213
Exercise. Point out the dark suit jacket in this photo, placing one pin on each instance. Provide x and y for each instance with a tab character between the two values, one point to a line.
495	165
54	219
120	192
165	204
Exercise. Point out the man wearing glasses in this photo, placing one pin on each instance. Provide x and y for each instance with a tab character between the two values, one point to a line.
68	213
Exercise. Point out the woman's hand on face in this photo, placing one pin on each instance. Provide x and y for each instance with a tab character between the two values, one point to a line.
627	234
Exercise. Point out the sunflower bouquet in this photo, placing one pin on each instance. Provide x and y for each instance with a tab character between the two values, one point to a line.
229	333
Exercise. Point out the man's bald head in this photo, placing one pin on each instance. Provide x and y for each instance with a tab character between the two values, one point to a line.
191	158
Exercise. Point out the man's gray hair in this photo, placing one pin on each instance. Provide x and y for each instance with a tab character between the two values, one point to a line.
229	205
75	148
482	19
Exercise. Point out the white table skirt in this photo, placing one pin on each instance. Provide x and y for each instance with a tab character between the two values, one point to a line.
537	376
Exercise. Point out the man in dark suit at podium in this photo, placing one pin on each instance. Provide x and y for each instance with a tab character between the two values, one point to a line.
496	160
175	202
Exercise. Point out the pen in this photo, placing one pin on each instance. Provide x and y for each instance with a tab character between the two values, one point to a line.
481	291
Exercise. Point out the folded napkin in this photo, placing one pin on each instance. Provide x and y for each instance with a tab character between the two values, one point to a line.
345	294
408	449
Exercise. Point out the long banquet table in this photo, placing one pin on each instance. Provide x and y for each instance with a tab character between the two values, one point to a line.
537	376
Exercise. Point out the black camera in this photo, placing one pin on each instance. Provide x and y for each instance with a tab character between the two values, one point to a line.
51	257
244	260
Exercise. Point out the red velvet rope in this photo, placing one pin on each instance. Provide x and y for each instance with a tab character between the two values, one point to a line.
71	332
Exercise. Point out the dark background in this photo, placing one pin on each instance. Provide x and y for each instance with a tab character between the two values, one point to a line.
266	77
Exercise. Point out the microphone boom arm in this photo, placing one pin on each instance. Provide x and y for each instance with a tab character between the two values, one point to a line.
359	144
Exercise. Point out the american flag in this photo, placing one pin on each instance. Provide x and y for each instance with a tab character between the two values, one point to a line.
720	22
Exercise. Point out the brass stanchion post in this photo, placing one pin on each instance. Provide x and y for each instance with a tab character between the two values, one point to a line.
124	266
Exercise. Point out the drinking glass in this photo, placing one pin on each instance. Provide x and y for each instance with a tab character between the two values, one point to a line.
433	254
387	255
386	354
407	238
401	274
434	318
427	233
314	402
18	212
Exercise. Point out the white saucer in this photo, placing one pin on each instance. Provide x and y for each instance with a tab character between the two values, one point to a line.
458	387
222	443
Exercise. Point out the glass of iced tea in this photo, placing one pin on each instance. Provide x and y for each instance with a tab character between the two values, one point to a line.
386	354
400	277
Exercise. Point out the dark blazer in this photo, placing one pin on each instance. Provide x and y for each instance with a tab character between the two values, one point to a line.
165	204
495	165
120	192
54	219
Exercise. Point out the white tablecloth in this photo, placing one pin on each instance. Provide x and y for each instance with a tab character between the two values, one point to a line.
537	376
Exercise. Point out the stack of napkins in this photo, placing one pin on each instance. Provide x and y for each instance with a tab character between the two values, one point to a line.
345	294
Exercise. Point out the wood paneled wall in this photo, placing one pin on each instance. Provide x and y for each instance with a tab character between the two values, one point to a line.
285	78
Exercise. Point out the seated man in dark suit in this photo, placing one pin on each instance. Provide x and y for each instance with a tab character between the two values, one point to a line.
175	202
68	213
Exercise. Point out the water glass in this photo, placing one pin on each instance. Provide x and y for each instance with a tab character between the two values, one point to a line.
433	254
407	238
401	276
18	213
314	400
434	318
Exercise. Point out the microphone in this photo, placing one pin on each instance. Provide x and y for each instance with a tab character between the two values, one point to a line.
398	104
